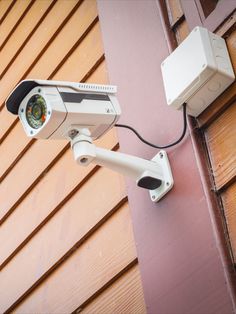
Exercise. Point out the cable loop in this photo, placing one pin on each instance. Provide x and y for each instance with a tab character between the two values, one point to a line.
157	146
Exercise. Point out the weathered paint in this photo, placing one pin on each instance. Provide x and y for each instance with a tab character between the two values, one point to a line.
181	265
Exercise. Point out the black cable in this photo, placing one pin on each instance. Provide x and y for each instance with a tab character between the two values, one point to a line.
157	146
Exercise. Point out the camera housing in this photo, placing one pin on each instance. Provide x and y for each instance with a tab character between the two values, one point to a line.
51	109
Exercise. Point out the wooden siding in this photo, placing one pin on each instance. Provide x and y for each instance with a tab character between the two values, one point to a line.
218	123
221	140
79	278
114	300
229	203
65	231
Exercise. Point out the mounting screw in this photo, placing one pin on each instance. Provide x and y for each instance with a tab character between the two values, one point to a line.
49	112
161	155
31	132
39	90
22	110
153	197
72	133
83	160
167	183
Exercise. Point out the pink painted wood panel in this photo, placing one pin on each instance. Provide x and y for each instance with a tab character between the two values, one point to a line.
181	266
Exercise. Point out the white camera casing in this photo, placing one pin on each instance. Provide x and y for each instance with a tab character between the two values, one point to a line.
69	104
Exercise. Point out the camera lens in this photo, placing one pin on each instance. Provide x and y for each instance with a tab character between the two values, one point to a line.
36	111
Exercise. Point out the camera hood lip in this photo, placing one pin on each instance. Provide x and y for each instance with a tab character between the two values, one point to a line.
24	87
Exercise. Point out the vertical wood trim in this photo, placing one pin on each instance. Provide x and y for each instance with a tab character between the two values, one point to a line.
171	40
219	15
175	11
191	13
214	20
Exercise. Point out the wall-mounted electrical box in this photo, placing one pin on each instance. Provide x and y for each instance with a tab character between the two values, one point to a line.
197	72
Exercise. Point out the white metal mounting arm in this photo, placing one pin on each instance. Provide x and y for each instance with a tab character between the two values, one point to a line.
154	175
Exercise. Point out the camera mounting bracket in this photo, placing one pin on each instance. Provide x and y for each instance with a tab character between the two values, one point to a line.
168	181
154	175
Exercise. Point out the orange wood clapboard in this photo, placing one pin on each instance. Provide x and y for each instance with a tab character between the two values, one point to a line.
65	231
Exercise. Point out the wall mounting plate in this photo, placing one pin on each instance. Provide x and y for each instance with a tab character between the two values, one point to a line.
162	159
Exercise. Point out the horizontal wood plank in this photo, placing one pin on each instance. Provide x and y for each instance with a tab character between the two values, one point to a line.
10	150
221	142
22	32
42	37
12	147
71	33
57	215
47	197
227	97
7	121
229	202
87	53
27	170
11	20
5	7
124	296
99	76
111	246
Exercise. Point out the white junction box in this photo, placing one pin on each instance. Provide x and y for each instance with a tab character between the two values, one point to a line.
197	72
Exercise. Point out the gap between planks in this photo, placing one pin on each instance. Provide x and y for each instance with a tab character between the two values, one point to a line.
50	40
17	23
27	39
72	250
52	213
105	286
7	11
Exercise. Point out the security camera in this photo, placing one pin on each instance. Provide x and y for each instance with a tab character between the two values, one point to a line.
82	113
50	109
